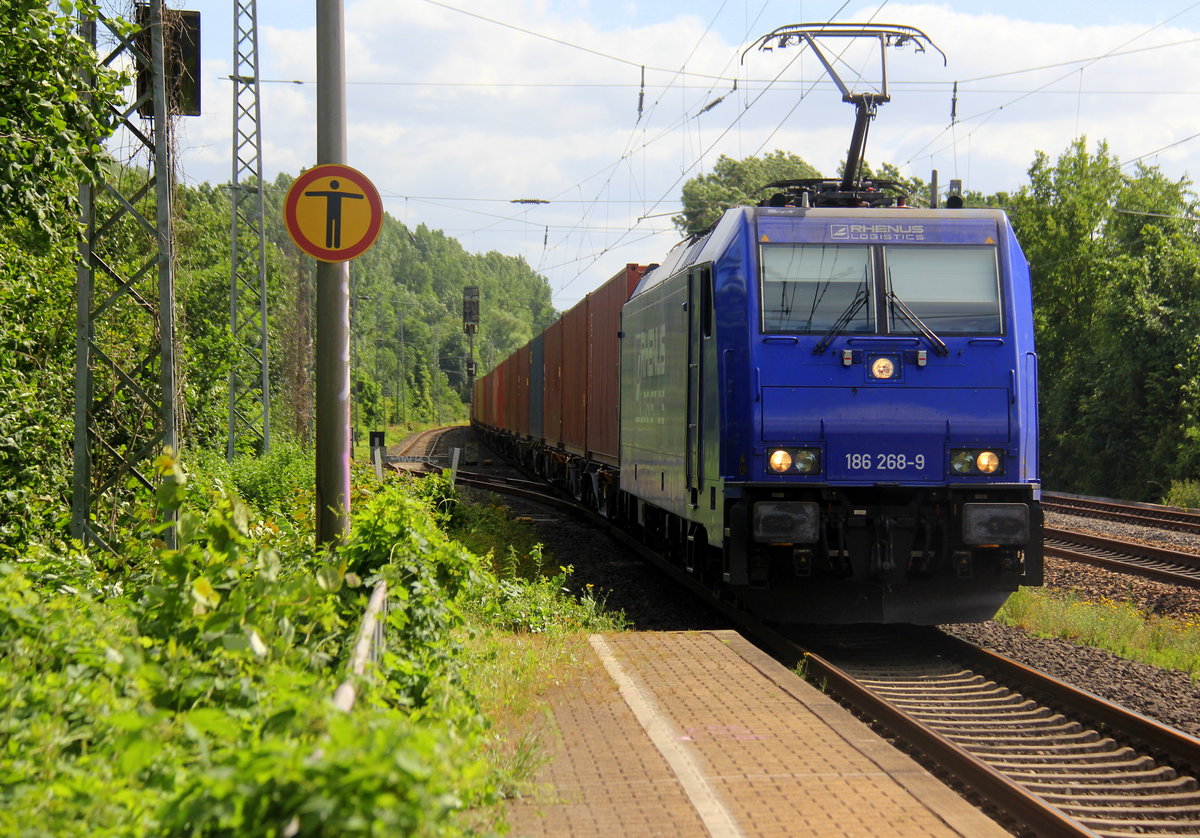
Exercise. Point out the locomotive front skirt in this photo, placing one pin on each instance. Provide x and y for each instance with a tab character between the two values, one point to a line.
830	413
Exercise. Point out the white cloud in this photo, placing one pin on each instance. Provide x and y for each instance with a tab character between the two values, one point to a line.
447	105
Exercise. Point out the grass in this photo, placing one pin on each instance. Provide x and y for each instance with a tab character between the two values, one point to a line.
526	636
514	677
1116	627
485	527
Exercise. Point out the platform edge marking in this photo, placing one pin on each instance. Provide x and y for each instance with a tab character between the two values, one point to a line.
717	819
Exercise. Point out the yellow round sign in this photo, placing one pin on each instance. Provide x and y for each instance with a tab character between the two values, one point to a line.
333	212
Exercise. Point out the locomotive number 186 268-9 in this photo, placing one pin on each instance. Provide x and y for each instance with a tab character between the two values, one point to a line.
885	462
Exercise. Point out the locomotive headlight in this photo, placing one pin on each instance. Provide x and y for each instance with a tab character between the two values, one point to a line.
794	460
808	461
987	461
780	460
883	367
977	461
961	461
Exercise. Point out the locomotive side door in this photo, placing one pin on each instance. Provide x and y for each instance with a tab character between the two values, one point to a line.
700	312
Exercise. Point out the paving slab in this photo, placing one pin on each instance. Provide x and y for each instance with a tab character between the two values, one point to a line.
687	734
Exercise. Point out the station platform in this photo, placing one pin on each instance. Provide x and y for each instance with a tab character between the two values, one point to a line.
687	734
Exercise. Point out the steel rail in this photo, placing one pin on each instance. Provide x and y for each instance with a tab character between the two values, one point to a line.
422	437
1170	566
1143	796
1032	811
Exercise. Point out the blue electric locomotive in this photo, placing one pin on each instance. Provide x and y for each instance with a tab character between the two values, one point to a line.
828	404
834	411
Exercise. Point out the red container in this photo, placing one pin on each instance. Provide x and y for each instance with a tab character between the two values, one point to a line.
552	394
519	406
574	378
604	364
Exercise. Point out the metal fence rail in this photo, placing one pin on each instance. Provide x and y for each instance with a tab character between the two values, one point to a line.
368	647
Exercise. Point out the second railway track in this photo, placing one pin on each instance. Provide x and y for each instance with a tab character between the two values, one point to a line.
1143	514
1171	566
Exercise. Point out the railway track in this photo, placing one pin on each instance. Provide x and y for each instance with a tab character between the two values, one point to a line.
1057	760
1144	514
421	444
1171	566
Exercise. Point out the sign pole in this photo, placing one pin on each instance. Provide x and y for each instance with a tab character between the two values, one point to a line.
333	296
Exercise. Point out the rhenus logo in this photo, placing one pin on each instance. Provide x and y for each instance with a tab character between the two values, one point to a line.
877	232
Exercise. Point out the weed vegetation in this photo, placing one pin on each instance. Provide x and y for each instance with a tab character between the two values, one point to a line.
1183	493
188	691
1117	627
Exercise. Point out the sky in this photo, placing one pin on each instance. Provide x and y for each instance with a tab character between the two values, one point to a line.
458	108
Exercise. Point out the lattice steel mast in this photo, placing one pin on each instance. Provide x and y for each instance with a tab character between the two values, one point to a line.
126	394
249	378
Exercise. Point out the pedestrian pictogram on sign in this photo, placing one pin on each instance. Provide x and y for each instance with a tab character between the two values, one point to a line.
333	213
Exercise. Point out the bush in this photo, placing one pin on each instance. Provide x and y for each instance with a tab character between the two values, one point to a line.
1183	493
191	694
543	605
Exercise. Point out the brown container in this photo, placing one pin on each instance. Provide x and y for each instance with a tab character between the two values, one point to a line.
552	382
502	393
574	378
604	364
519	406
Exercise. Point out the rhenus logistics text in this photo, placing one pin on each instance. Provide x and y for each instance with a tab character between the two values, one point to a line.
877	232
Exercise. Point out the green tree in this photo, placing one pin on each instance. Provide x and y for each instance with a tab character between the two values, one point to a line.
1116	277
735	182
51	127
52	120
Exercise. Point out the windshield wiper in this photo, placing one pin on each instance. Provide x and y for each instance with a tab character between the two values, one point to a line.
843	320
939	345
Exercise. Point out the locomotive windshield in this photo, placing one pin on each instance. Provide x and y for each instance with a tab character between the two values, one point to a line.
955	290
808	288
951	290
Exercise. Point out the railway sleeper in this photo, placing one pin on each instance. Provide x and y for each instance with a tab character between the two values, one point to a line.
947	683
986	739
1121	758
1058	776
1178	785
946	692
1036	751
970	726
919	679
1175	802
1166	820
973	716
1178	829
1001	703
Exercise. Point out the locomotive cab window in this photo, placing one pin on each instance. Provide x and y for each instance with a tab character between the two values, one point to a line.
808	288
954	290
